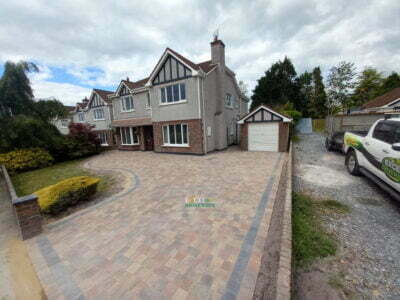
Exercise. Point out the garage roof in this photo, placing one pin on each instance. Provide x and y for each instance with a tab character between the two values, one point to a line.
264	108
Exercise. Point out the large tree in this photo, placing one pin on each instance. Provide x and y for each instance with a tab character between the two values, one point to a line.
277	87
16	96
302	103
318	106
389	83
341	82
368	86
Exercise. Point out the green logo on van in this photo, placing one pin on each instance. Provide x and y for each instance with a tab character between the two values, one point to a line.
391	167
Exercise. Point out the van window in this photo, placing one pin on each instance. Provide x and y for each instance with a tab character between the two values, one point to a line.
383	132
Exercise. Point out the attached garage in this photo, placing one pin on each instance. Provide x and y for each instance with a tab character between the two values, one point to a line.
264	130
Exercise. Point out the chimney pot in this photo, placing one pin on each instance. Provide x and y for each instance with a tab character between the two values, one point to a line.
127	79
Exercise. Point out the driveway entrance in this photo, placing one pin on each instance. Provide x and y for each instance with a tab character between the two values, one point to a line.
184	227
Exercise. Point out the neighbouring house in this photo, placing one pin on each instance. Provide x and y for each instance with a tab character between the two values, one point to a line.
386	103
182	107
63	123
97	111
264	130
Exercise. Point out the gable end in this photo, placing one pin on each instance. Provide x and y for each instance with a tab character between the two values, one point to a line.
171	70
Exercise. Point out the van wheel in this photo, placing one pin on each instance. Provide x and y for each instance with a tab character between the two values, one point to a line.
352	163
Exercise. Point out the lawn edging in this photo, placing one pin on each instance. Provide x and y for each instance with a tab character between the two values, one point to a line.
283	289
274	276
26	209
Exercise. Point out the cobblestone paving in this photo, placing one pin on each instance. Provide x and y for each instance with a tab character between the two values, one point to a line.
145	244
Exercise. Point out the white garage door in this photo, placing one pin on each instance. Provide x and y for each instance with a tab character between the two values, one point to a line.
263	136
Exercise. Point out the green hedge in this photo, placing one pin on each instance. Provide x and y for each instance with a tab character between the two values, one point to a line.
68	192
26	159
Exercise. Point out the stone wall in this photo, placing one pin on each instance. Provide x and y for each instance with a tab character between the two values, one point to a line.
195	135
26	210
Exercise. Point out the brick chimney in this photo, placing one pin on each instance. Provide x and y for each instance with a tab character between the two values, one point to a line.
218	52
218	57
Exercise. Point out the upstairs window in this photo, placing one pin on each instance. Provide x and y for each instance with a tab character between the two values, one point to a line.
236	102
81	117
98	114
173	93
127	104
148	104
228	101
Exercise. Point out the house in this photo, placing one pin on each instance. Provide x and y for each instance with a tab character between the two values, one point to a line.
264	130
97	112
181	107
63	123
386	103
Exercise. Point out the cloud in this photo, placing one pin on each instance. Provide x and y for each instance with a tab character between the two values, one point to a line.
100	42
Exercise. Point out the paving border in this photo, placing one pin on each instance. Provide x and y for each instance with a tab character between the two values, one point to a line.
283	288
274	277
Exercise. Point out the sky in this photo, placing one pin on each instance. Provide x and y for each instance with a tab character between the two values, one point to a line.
80	45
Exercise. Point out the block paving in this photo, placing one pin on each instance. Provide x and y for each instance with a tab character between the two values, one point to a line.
143	243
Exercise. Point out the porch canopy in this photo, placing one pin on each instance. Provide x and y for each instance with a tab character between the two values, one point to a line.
132	122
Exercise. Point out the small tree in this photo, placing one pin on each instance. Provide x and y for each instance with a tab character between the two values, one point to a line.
341	82
82	141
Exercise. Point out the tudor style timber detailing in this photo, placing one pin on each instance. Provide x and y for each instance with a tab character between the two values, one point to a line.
97	112
182	107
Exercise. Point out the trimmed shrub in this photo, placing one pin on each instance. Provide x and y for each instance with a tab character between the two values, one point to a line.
68	192
26	159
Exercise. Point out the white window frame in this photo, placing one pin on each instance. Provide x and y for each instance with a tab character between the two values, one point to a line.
83	117
230	97
167	143
148	101
179	91
95	118
100	135
123	103
62	123
131	136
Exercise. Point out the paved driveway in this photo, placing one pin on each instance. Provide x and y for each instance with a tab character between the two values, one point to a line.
145	243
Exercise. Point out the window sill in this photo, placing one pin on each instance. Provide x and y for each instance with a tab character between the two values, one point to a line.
95	120
104	145
176	145
229	107
172	103
127	111
148	108
130	144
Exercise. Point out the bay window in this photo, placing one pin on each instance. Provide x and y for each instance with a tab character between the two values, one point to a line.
175	135
129	135
173	93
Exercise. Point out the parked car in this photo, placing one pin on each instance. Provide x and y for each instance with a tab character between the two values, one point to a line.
376	154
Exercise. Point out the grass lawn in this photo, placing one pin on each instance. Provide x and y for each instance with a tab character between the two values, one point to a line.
310	239
31	181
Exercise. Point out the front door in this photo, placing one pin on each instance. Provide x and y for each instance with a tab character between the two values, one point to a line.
148	138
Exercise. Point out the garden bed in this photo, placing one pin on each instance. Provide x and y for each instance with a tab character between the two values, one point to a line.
28	182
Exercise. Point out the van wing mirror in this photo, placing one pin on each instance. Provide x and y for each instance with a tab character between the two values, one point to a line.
396	146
